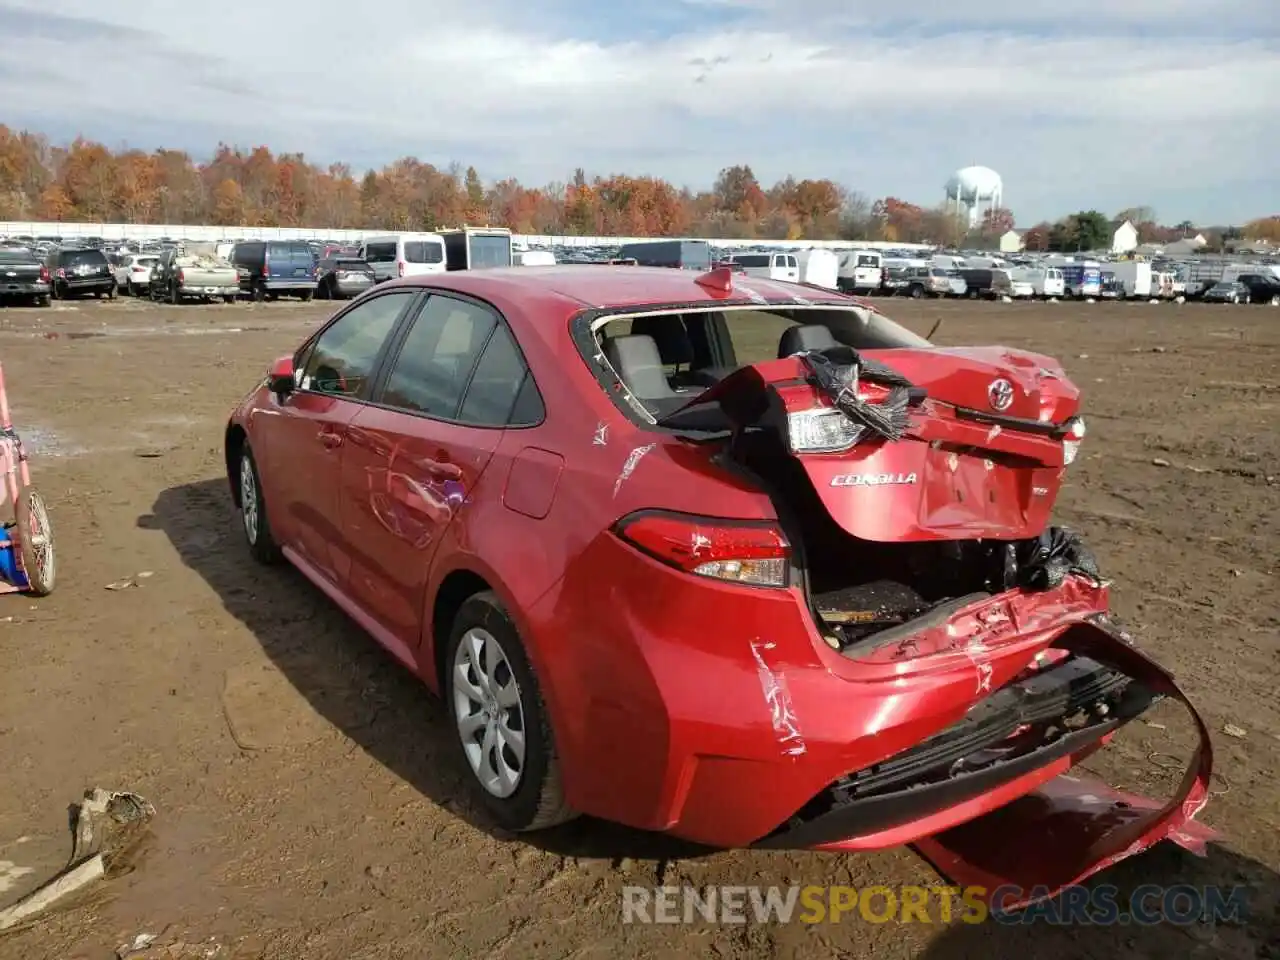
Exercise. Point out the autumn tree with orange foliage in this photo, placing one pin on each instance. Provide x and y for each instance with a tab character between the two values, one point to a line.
1265	228
85	181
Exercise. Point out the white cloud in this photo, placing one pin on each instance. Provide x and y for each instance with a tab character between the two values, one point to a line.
1081	105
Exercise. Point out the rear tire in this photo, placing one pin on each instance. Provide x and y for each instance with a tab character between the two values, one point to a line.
253	511
229	299
35	542
500	719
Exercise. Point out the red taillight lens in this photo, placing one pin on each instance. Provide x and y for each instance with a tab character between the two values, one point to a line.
62	273
400	267
182	276
44	274
754	554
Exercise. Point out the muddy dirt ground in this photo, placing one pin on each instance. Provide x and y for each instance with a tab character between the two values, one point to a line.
308	804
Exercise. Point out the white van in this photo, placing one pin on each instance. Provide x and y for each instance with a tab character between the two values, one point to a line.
1046	282
770	266
861	271
404	255
819	267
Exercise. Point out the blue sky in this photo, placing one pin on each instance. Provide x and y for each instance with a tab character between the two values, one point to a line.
1163	103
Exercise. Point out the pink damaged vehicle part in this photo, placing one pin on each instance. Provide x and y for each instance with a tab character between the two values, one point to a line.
1072	826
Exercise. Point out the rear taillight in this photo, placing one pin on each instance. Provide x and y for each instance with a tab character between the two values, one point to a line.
400	267
62	273
822	430
1072	439
44	274
182	276
753	554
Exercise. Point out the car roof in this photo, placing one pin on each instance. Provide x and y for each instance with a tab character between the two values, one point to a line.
621	287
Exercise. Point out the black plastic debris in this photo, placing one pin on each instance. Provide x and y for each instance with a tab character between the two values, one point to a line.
837	372
1047	560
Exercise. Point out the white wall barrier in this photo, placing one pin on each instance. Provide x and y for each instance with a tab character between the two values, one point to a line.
155	231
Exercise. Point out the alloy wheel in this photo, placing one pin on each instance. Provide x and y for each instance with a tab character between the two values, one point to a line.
488	712
249	499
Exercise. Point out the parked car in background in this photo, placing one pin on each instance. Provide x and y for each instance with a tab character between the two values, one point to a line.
771	266
133	272
197	273
77	271
1227	291
404	255
275	268
341	277
23	276
1262	288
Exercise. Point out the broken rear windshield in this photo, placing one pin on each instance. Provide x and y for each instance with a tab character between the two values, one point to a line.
666	359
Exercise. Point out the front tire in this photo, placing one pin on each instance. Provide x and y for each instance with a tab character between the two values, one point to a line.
503	732
253	511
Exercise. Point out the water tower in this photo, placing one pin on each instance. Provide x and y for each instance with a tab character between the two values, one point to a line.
973	191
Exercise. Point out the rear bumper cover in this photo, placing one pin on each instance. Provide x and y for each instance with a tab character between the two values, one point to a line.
1052	829
23	288
1071	827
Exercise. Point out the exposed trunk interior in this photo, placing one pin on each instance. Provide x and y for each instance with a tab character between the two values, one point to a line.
856	587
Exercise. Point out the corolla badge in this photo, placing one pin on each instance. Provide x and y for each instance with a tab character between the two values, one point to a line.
1000	394
873	479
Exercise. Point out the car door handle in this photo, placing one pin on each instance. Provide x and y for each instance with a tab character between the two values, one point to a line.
330	439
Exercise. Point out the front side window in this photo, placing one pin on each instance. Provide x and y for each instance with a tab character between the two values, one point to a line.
344	357
433	366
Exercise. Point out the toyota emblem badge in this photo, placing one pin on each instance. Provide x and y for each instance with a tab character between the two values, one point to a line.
1000	395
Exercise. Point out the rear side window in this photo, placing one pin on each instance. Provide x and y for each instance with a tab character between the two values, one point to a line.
344	356
380	253
435	362
423	251
496	382
752	259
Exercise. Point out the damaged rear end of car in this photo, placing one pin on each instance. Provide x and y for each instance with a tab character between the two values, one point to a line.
963	658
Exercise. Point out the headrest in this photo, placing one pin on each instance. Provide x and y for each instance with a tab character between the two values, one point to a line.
669	333
636	361
813	336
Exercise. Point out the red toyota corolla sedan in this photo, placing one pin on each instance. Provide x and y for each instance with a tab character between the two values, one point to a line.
739	560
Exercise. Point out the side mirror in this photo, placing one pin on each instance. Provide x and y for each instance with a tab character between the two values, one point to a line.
280	377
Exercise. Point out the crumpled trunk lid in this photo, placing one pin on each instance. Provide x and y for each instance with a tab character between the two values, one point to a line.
980	452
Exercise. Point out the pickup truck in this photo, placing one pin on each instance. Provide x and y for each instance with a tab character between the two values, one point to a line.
22	274
196	273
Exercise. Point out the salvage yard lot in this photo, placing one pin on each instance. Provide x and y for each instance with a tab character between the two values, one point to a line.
308	806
